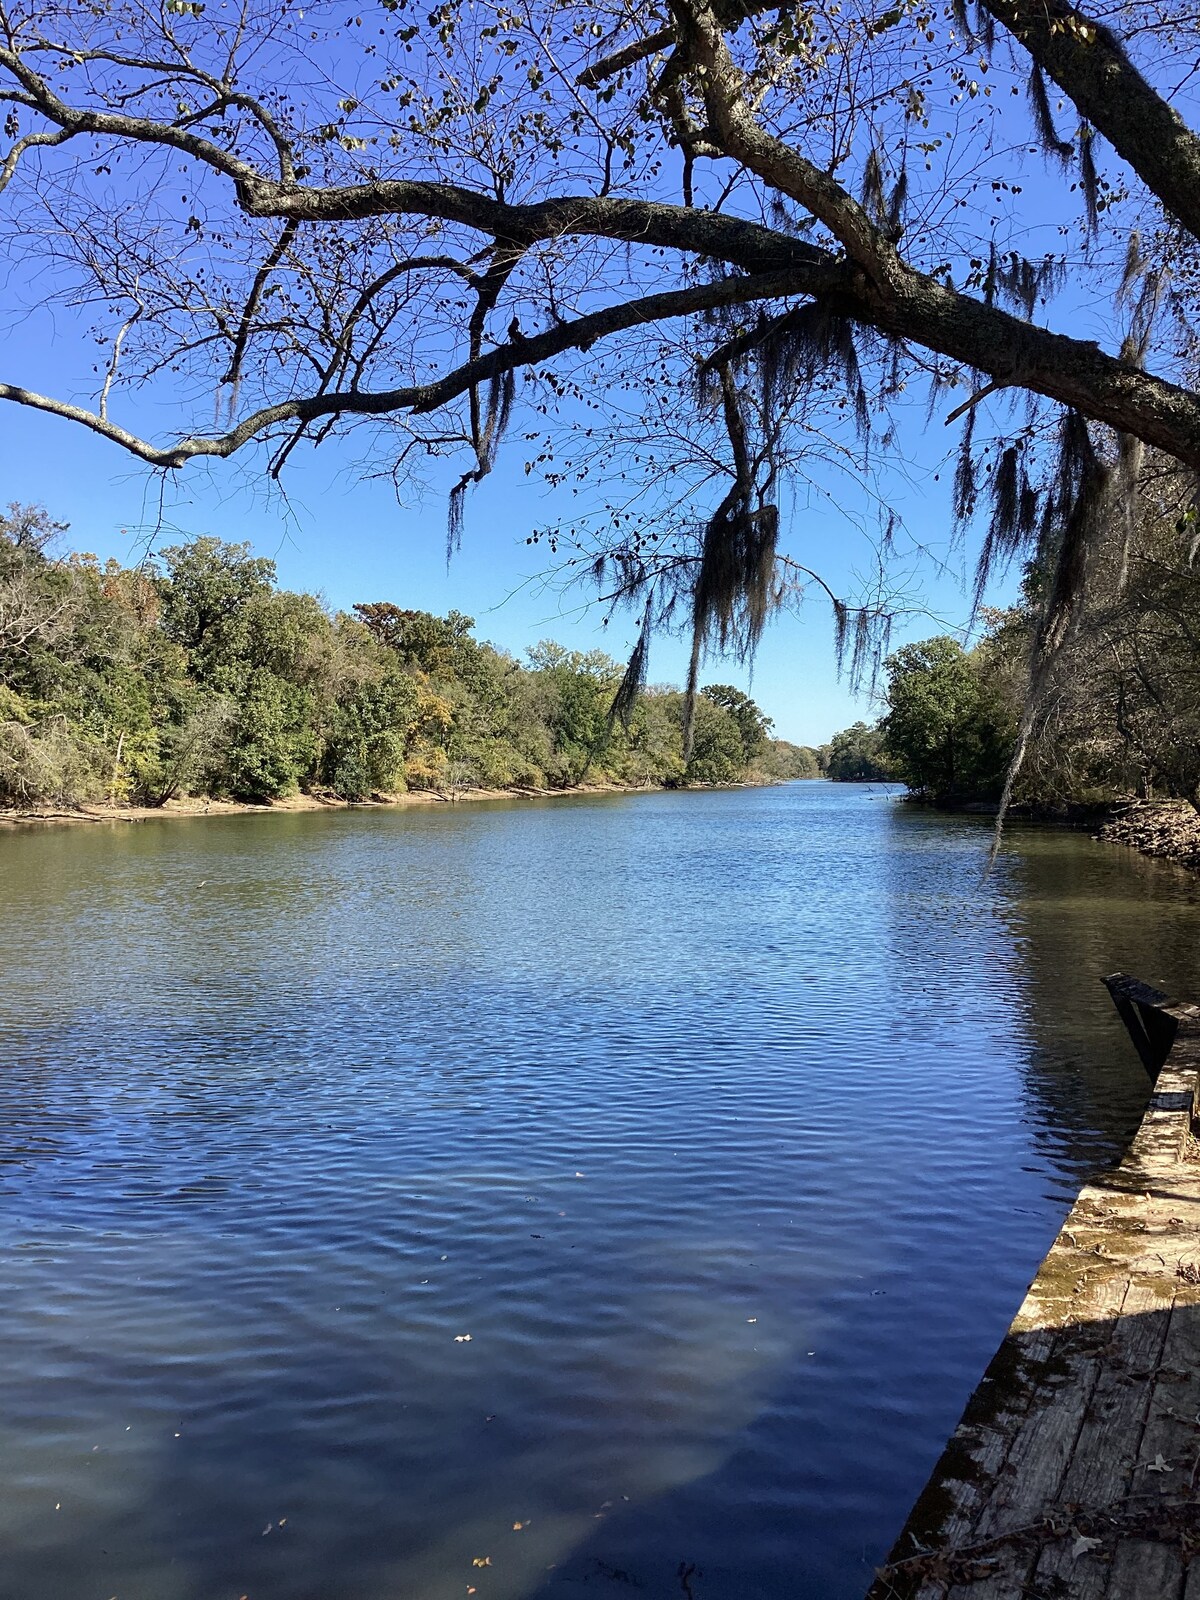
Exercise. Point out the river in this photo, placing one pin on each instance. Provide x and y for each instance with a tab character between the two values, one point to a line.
595	1197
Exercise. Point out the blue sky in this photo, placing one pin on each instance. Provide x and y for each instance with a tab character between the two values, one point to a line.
351	540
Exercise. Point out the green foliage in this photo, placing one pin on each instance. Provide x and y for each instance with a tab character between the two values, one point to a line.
783	762
1119	714
207	591
717	751
948	731
1118	709
753	728
271	740
857	755
196	675
575	691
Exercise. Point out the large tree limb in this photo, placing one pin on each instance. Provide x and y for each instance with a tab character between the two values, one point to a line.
876	288
743	138
1074	372
744	244
1089	63
426	397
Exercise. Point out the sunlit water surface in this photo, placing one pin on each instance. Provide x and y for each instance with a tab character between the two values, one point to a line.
536	1200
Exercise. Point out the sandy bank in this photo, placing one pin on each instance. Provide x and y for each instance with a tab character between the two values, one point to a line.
299	802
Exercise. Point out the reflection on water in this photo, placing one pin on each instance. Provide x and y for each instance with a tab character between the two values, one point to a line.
729	1127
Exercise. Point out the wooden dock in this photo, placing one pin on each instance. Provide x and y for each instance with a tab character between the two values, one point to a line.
1075	1471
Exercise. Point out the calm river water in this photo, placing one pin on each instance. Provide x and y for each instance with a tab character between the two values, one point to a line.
536	1200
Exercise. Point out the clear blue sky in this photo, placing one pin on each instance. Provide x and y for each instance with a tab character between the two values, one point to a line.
350	540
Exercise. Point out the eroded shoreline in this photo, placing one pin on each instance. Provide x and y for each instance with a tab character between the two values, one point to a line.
1168	830
190	807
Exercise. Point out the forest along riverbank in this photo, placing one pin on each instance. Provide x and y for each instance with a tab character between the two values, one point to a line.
202	806
195	675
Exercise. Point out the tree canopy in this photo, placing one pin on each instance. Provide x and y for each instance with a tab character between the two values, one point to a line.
857	755
949	726
195	674
1120	702
735	237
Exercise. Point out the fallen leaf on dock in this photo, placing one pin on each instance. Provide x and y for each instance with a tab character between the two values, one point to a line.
1159	1464
1083	1544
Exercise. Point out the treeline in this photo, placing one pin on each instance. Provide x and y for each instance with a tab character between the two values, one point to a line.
1119	711
195	674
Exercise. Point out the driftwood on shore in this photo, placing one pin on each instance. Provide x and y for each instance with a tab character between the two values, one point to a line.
1074	1472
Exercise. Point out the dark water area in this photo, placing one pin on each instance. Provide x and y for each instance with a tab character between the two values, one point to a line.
730	1128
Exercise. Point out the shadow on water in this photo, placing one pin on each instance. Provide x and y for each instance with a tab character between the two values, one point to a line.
1075	910
381	1465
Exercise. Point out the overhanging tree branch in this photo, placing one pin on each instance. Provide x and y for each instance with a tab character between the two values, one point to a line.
357	214
424	397
1090	64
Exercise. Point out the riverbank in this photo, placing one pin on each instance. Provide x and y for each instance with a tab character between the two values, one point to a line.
198	807
1168	829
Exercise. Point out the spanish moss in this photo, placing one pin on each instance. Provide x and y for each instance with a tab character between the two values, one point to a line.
1051	141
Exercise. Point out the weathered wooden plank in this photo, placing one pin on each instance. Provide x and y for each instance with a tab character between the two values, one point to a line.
1169	1456
1121	985
1102	1466
1146	1013
1146	1569
1074	1470
1014	1521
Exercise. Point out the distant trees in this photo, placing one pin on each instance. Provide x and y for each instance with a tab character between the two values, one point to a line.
949	729
857	755
785	762
1121	712
753	728
718	755
949	732
574	691
1118	708
196	674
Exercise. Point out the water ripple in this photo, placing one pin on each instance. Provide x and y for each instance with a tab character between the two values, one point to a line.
580	1188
